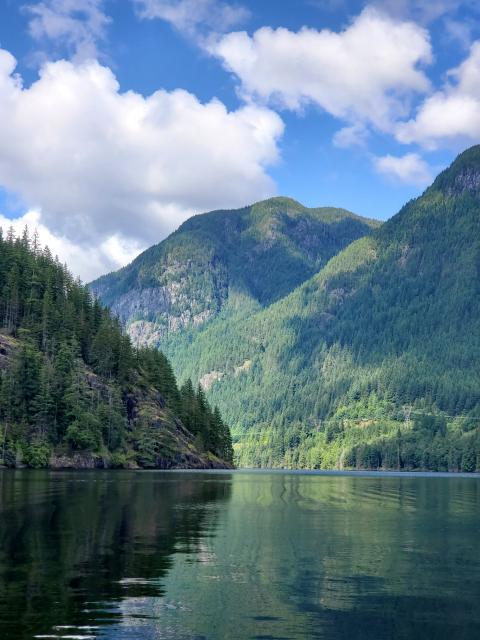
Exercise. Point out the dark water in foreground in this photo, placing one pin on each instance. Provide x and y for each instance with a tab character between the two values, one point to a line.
238	555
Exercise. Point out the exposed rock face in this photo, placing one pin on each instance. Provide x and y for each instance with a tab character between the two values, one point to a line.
7	348
145	333
467	180
150	301
463	176
242	368
209	378
77	461
177	295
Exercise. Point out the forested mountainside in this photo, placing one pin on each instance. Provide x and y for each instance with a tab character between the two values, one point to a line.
225	261
371	363
73	390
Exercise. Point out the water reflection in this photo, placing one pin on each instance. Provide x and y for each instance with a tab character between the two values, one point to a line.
73	545
239	555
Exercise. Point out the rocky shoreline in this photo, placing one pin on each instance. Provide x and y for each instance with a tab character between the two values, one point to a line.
80	462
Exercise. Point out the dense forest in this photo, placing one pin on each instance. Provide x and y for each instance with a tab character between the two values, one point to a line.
73	389
377	356
226	262
373	362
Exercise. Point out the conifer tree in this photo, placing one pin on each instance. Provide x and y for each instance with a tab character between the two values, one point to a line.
68	368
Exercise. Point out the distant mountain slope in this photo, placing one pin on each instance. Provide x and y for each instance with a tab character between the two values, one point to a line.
254	255
368	362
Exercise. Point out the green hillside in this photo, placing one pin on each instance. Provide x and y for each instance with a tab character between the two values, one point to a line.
225	260
373	362
73	390
370	362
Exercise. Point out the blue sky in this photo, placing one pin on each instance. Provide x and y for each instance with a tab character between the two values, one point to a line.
121	118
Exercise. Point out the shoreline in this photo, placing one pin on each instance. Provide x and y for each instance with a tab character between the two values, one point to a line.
226	470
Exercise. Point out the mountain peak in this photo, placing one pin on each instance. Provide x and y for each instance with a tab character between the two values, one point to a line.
260	252
463	175
281	201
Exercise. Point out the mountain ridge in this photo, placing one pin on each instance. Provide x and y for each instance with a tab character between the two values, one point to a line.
394	315
371	361
257	253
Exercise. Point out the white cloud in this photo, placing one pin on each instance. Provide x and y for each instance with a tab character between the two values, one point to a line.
460	32
451	114
88	261
354	135
408	169
100	164
193	17
364	74
78	25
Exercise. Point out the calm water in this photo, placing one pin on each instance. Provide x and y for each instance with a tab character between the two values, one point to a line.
238	555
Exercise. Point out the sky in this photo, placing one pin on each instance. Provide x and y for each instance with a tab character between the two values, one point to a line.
119	119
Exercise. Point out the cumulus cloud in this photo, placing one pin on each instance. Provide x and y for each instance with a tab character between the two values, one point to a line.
408	169
116	171
76	25
451	114
193	17
87	261
364	74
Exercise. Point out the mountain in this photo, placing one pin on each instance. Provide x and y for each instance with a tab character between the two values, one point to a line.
225	261
73	390
371	362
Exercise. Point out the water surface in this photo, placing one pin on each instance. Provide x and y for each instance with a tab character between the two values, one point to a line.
238	555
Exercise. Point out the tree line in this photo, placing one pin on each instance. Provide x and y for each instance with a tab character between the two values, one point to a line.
67	369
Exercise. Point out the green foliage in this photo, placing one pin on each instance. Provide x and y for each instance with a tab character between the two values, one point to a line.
317	352
66	366
225	265
211	433
158	373
222	259
84	432
374	444
391	321
37	454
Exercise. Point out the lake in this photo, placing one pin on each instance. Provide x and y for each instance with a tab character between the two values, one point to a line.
194	555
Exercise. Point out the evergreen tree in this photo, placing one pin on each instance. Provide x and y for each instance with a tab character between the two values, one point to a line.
68	370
